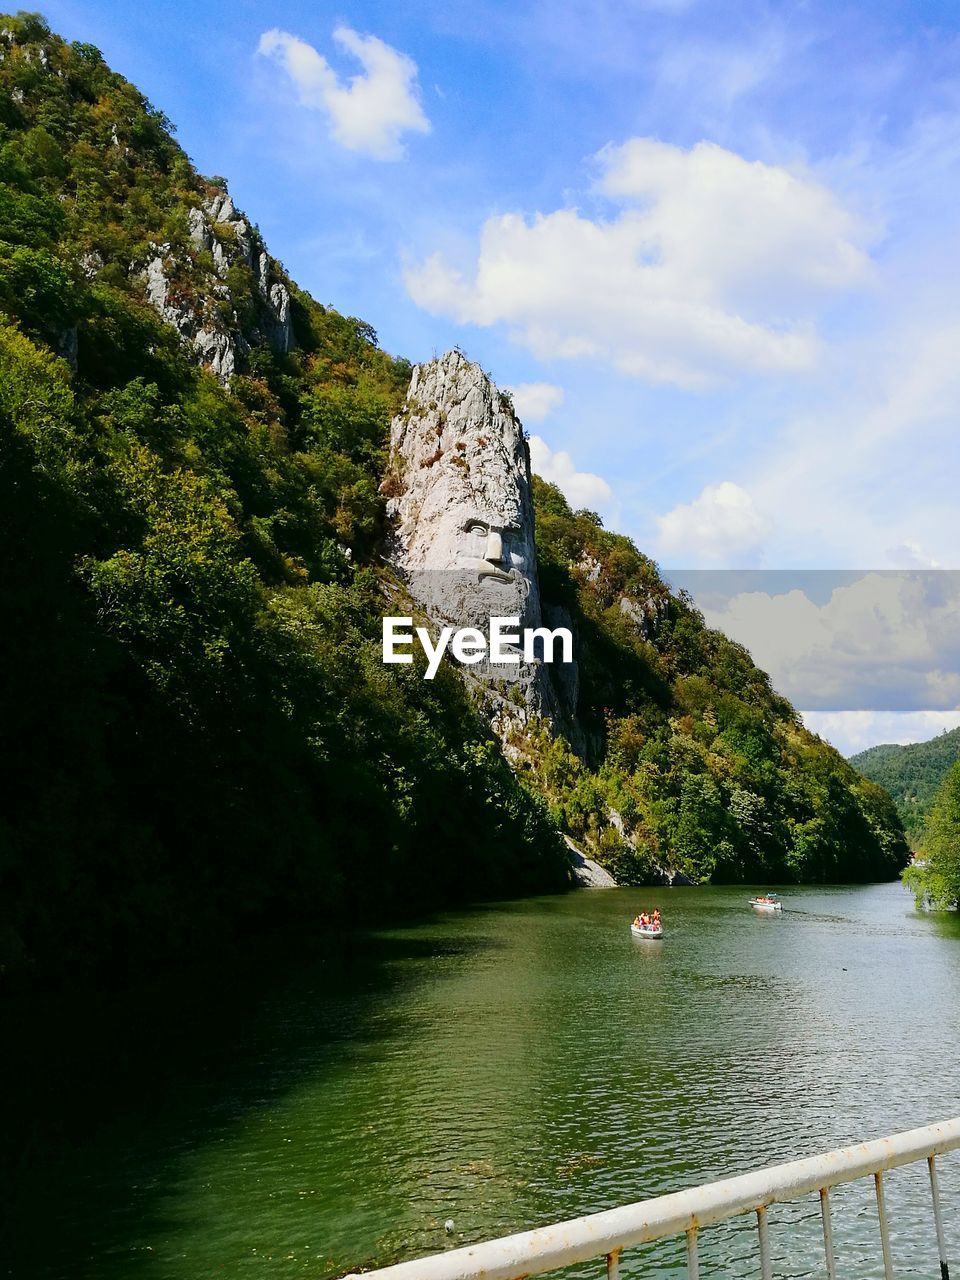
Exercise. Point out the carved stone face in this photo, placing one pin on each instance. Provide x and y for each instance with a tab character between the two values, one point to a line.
494	550
463	523
462	515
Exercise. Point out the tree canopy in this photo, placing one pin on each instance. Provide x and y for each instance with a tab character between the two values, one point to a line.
912	774
935	876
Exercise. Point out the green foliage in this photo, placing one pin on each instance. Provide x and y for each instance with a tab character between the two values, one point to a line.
352	419
935	877
911	774
693	764
199	735
26	218
36	287
221	747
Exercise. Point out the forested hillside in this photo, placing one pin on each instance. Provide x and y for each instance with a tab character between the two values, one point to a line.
198	730
912	774
935	876
693	761
199	737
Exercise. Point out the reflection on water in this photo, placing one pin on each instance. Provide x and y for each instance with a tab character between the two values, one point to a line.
532	1061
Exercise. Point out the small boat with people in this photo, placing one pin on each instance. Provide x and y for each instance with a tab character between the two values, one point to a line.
768	902
647	925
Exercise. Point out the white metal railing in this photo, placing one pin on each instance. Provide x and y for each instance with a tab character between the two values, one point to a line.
685	1212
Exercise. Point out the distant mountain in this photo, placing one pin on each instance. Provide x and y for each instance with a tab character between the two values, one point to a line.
911	774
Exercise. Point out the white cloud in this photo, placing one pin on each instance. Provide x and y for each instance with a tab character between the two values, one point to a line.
535	400
885	641
580	488
867	476
712	266
911	555
723	521
853	731
710	73
752	235
370	111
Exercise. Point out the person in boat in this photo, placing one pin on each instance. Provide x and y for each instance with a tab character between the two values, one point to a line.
656	917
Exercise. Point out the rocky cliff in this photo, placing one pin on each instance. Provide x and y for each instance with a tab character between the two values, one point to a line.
191	291
191	538
461	518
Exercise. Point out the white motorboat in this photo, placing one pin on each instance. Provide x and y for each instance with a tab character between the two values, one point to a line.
647	930
767	902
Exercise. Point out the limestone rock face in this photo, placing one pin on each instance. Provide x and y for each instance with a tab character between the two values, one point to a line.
280	326
220	207
215	344
200	317
565	677
219	210
646	615
465	500
460	502
202	237
91	264
587	873
66	345
275	319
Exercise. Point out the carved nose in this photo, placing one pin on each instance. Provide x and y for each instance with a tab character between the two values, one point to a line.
494	552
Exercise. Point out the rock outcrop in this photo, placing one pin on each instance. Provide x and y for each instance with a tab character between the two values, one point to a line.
219	214
587	873
460	500
196	317
207	317
646	615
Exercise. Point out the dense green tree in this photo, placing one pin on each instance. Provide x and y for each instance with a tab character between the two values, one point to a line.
935	877
698	764
912	774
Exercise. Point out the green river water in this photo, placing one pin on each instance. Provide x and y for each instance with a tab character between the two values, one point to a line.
522	1063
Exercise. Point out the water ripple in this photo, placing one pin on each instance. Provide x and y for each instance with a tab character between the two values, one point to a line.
534	1061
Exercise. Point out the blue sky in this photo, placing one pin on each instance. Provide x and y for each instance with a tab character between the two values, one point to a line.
714	245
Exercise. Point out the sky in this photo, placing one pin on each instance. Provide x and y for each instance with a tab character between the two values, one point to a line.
711	245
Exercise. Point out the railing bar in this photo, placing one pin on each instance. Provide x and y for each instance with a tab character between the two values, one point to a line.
884	1237
613	1264
765	1269
562	1244
938	1221
827	1233
693	1260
